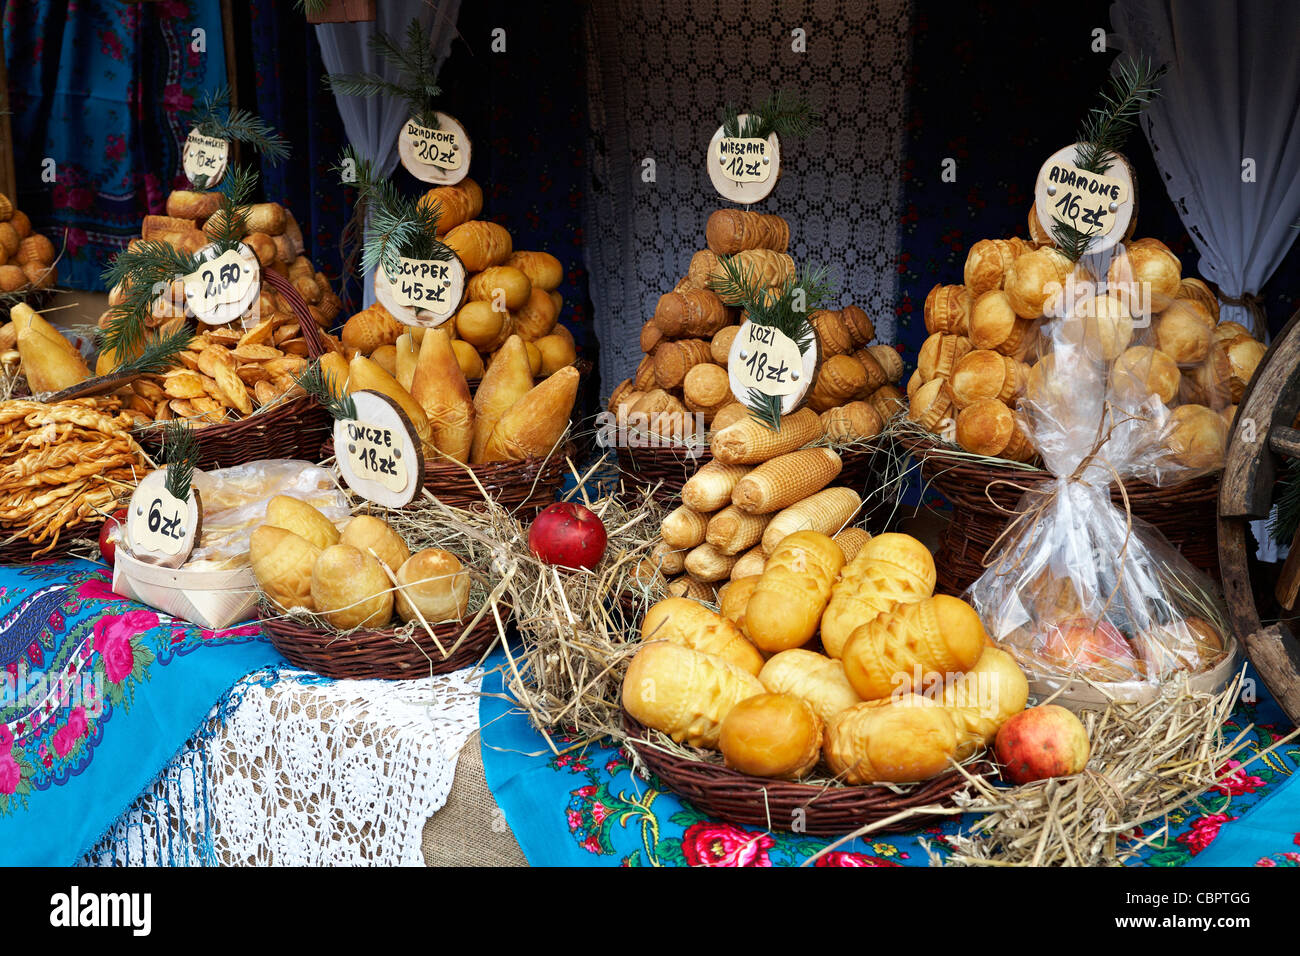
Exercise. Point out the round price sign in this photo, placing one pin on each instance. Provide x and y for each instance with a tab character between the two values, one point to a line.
378	452
1098	205
742	169
226	283
162	529
765	360
425	292
440	156
204	159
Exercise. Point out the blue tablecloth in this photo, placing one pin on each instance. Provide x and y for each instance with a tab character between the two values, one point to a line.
586	808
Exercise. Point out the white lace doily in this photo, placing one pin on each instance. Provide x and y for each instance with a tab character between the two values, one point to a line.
297	770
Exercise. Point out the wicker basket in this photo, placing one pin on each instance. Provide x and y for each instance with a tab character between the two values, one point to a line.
821	811
294	429
376	654
663	470
1186	514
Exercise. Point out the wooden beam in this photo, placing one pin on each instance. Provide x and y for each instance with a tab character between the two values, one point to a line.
8	177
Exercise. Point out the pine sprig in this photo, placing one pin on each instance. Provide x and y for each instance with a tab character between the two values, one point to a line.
399	225
1286	516
322	387
785	309
783	113
236	191
180	452
1106	127
415	61
143	274
216	118
159	353
1070	241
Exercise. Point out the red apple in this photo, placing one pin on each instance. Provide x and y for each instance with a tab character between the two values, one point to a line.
1041	742
569	535
110	534
1097	649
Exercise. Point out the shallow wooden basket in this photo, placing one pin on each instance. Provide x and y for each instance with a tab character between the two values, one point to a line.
1186	514
378	653
779	804
294	429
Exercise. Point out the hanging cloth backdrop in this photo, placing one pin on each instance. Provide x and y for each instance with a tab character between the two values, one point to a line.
1229	107
372	123
103	89
659	73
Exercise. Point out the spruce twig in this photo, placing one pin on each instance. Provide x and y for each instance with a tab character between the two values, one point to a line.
215	117
415	61
180	452
1106	127
142	274
158	354
322	387
782	113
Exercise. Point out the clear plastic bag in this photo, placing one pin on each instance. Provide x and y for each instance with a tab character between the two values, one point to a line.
1078	587
235	500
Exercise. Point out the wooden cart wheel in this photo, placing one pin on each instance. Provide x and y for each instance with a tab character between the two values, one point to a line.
1263	434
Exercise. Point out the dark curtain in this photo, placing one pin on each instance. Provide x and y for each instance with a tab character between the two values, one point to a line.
102	88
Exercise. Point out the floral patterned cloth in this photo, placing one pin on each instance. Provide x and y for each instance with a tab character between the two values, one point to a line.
100	95
586	808
96	695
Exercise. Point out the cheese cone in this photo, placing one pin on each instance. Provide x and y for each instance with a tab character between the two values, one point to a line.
507	380
439	386
364	373
334	367
49	361
532	427
408	354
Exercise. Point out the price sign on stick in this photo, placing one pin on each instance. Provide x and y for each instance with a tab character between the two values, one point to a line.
1098	205
162	529
204	159
223	287
765	360
440	156
743	169
378	452
425	292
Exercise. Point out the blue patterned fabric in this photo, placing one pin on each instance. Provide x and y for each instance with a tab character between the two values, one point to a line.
586	808
96	695
103	89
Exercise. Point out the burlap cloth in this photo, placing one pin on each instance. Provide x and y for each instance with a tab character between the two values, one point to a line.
470	829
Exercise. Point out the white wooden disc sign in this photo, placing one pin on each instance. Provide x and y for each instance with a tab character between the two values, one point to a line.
743	170
764	359
425	292
204	159
162	529
378	452
1097	205
440	156
222	288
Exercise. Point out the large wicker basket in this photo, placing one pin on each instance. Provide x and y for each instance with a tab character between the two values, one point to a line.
662	469
1186	514
781	804
294	429
379	653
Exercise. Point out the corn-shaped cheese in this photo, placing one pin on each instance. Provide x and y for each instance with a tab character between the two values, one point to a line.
456	204
686	586
479	244
852	541
789	599
731	230
903	740
693	625
983	699
684	693
732	530
695	314
684	528
812	676
710	488
889	569
707	563
749	441
785	480
749	564
912	646
667	559
826	512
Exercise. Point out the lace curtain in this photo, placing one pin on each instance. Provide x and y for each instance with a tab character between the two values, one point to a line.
372	123
1231	97
658	73
298	770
